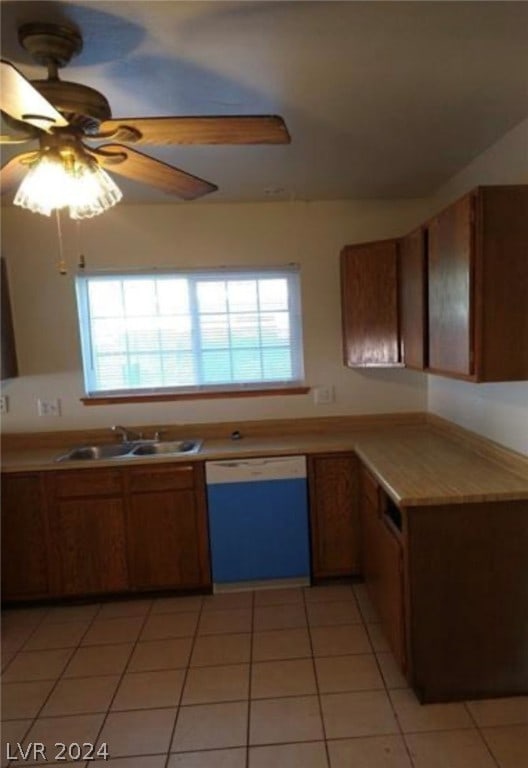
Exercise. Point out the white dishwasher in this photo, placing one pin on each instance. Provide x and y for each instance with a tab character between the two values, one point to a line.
258	522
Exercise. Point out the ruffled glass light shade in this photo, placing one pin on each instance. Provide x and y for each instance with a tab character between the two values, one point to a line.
53	182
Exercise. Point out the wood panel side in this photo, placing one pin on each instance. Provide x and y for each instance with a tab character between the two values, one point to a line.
413	298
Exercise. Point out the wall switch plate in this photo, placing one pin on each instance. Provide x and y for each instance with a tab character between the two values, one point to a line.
48	407
4	404
323	395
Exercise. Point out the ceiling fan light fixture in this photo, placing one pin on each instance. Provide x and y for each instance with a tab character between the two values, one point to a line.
72	179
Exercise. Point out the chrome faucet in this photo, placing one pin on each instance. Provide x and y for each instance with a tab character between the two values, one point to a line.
126	434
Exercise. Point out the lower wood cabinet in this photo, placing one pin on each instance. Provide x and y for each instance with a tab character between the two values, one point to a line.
73	533
382	563
334	486
166	528
25	573
87	532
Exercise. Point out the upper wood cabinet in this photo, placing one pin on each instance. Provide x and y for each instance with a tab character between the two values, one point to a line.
413	298
478	286
8	358
369	304
334	518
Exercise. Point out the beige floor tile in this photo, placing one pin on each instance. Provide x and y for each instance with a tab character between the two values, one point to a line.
81	695
177	604
212	758
340	641
7	655
358	672
284	596
290	719
449	749
414	717
66	730
111	631
304	755
149	690
279	617
161	654
63	635
99	660
145	761
281	644
13	731
509	744
290	677
210	650
369	752
15	619
37	665
392	674
329	593
166	625
329	614
225	621
145	732
23	700
507	711
211	726
121	608
367	610
377	638
61	613
228	601
206	685
361	713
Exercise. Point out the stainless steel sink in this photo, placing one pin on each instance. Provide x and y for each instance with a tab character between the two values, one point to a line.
131	450
167	448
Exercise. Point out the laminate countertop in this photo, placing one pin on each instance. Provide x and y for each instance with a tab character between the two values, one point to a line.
416	465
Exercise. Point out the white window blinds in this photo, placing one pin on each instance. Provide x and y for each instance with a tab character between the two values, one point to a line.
182	331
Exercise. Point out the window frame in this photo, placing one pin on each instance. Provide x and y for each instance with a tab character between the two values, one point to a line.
296	385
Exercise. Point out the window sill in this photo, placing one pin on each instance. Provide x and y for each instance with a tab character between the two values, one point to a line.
117	399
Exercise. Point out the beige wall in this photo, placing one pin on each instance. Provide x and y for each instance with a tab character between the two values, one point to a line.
311	234
497	411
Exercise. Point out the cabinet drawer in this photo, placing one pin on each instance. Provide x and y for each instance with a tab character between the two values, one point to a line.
369	487
169	478
99	482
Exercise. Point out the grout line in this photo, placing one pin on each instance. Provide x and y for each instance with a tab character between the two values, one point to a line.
480	733
318	692
184	681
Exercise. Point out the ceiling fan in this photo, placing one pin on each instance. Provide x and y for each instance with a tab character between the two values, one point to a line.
73	124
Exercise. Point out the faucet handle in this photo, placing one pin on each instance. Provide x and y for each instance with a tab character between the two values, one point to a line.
158	433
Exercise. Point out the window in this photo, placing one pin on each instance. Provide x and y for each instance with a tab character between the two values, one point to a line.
190	331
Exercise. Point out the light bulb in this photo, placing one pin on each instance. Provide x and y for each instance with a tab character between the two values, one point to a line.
54	182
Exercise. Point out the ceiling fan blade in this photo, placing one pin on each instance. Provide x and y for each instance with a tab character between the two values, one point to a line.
12	173
139	167
23	102
243	129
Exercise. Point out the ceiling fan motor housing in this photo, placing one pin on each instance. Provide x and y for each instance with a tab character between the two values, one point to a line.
53	45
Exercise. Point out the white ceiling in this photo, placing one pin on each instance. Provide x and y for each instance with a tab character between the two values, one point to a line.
382	99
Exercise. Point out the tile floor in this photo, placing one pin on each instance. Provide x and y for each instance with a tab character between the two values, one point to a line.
291	678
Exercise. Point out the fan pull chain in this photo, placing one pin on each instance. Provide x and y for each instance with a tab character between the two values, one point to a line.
82	260
61	264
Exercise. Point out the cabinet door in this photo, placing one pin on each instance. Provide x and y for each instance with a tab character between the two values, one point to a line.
8	358
413	299
89	543
24	538
167	529
334	515
382	566
369	304
450	264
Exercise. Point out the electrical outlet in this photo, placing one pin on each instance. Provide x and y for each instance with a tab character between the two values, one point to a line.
4	404
48	407
323	395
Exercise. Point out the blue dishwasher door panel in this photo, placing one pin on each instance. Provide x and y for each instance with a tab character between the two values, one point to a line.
259	530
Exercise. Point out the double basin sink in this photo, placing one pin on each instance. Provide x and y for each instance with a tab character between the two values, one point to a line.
131	450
